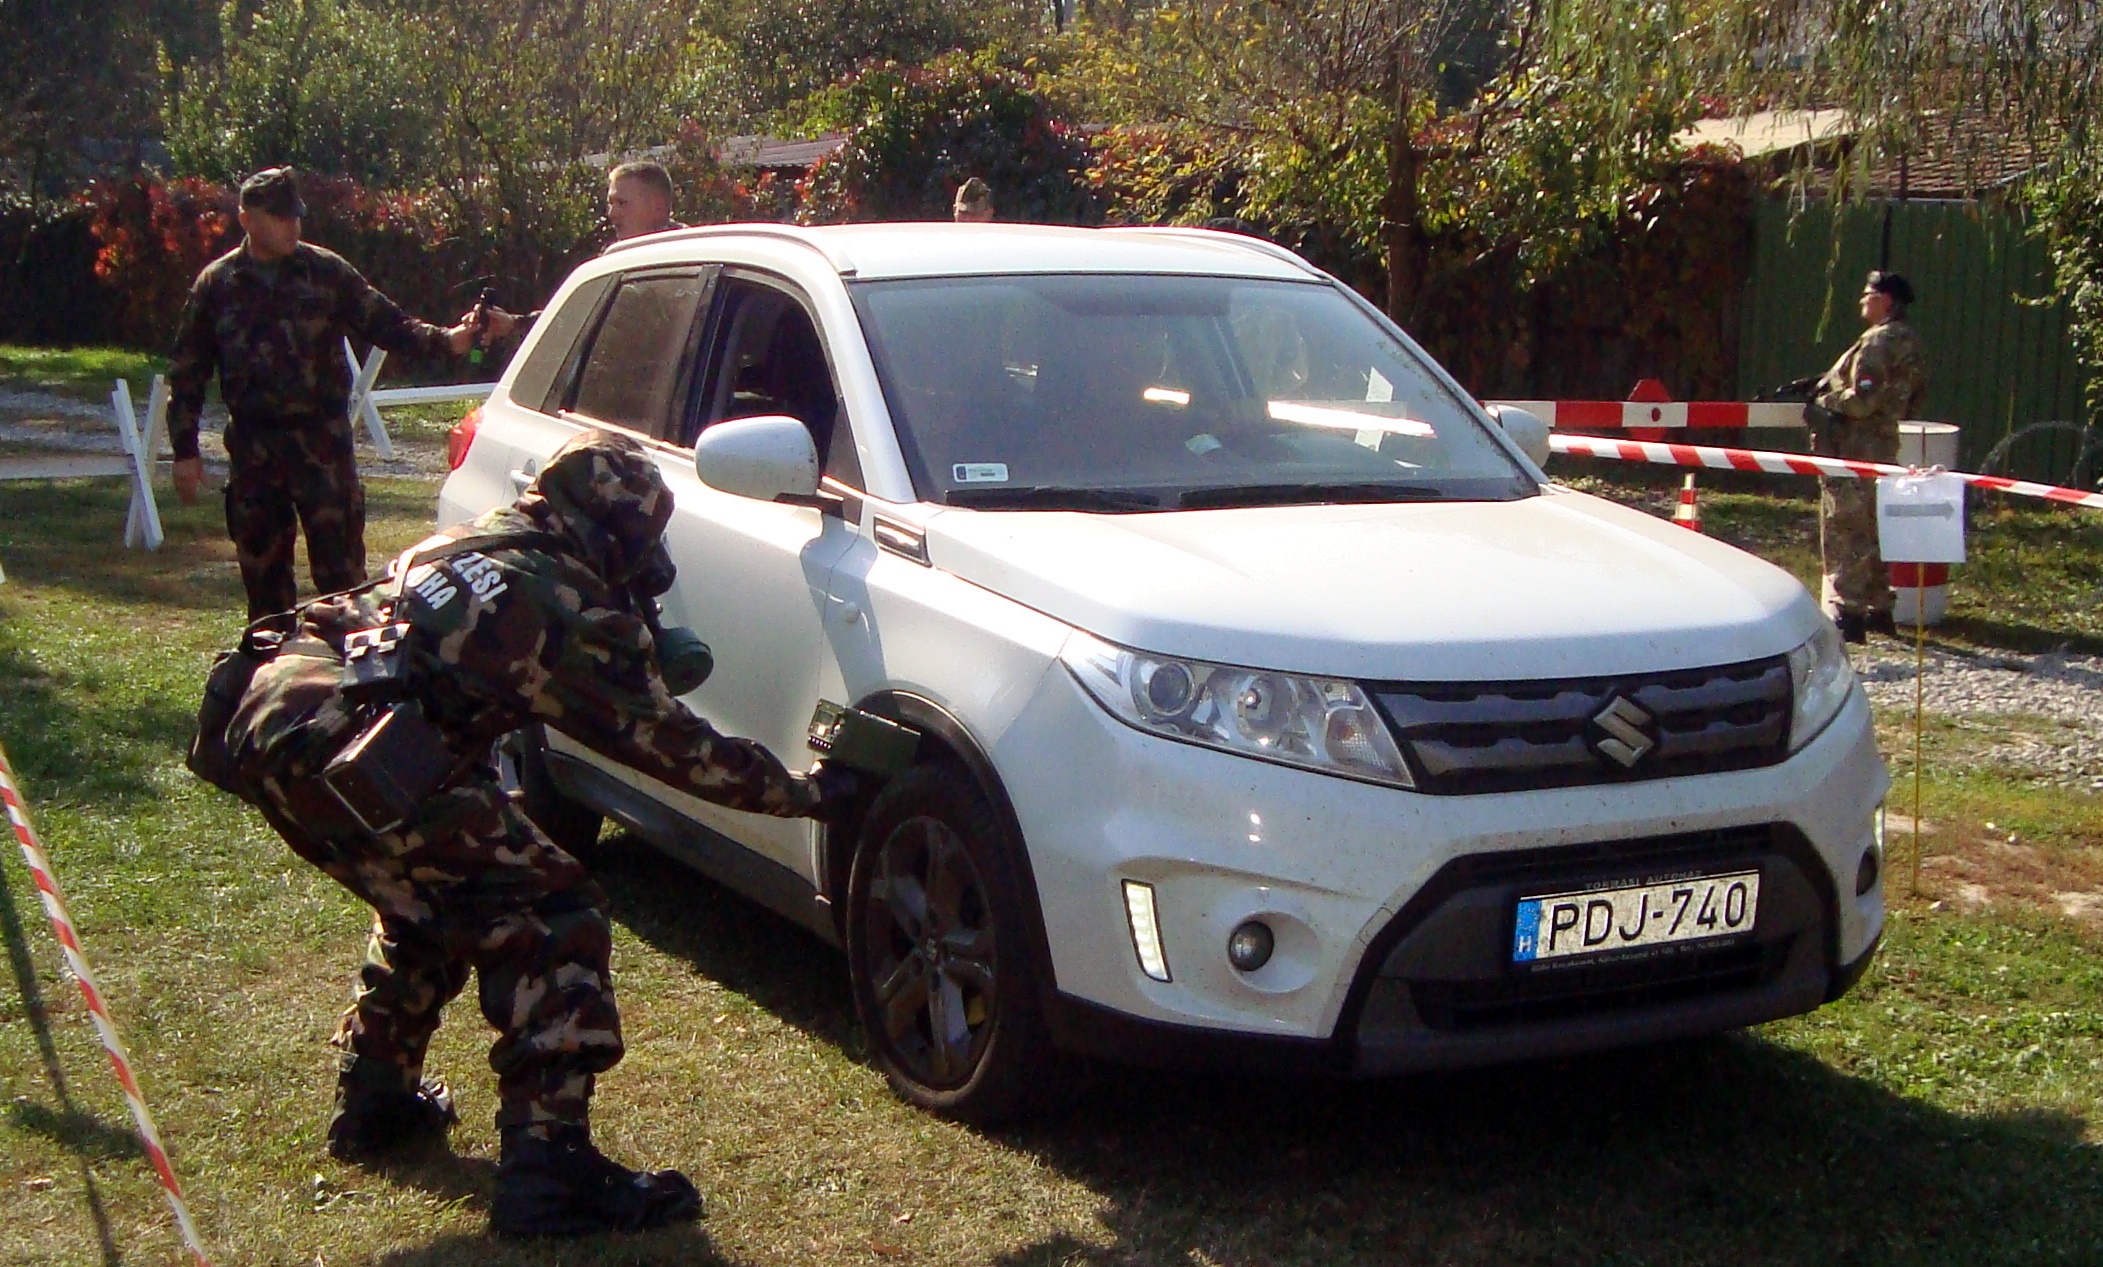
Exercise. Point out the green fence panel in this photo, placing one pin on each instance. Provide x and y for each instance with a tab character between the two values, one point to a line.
1995	362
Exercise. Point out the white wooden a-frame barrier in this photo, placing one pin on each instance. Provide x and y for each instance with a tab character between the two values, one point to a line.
366	402
142	522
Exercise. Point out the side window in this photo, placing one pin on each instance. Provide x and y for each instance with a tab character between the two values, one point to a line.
631	374
543	381
766	358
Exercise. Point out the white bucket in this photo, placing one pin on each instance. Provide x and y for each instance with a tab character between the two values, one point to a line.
1928	444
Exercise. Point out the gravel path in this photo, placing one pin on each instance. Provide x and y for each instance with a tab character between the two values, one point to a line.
2062	688
48	420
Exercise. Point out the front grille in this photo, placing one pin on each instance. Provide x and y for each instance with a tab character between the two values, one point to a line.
1466	738
1588	991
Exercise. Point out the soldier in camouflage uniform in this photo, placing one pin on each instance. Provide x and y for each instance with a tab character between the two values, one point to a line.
270	317
543	627
1856	411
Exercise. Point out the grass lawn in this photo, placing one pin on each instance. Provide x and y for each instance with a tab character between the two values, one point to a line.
83	370
1945	1113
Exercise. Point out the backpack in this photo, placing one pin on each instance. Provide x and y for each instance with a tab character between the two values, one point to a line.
210	756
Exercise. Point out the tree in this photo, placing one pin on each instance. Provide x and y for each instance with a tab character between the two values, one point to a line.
1405	117
1974	79
919	132
74	71
789	50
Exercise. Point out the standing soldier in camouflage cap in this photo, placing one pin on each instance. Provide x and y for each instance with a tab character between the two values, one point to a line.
1855	414
270	317
537	612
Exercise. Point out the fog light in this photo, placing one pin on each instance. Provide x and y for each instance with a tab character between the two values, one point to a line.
1250	946
1872	857
1146	929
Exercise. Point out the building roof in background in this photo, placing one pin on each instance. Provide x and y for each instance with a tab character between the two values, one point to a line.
1766	132
1961	155
772	153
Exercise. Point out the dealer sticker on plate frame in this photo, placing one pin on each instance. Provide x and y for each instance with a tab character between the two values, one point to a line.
1597	921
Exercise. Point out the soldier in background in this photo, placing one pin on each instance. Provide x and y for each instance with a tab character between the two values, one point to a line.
1855	411
532	613
973	204
269	317
639	198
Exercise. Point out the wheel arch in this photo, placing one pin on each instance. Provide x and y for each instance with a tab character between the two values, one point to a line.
945	737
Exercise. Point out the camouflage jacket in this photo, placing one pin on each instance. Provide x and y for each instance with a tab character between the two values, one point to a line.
1880	379
278	346
499	640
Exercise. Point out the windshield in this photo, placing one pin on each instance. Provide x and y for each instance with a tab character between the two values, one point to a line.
1123	392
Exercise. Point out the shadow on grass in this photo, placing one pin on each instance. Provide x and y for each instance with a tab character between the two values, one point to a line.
2014	635
729	939
66	748
68	536
76	1130
86	1135
470	1181
1728	1150
671	1247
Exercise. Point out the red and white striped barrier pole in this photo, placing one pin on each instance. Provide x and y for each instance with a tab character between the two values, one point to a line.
69	941
1718	459
1687	514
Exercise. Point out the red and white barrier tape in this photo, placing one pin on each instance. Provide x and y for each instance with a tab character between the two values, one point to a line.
76	959
1793	464
1612	415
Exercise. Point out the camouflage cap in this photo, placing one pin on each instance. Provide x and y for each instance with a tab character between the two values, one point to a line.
607	493
974	194
275	190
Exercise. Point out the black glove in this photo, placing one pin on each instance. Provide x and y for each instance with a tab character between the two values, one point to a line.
1801	388
839	790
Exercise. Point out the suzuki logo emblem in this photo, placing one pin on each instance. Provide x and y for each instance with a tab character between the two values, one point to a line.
1624	741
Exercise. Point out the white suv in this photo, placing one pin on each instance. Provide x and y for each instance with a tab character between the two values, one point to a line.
1277	712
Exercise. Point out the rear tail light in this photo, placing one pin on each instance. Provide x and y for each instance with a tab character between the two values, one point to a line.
461	438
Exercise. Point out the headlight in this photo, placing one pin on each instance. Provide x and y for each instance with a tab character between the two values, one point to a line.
1822	677
1315	723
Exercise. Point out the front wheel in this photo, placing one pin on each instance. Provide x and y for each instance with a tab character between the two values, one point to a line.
943	972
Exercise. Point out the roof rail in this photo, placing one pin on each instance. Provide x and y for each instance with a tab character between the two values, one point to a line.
780	232
1243	240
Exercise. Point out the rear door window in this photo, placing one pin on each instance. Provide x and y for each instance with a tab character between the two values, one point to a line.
543	381
640	355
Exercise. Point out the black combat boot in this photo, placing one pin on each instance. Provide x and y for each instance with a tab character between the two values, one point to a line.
1854	626
562	1186
374	1116
1881	622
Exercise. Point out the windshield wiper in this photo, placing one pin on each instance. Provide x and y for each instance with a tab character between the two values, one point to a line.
1303	494
1052	497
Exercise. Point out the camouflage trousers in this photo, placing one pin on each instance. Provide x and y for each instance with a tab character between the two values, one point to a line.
1855	577
284	478
470	886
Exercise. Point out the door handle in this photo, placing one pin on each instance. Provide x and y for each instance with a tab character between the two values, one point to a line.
521	479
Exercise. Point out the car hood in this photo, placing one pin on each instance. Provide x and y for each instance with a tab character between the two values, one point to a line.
1560	585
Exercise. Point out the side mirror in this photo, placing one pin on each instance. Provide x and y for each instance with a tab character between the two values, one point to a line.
1526	430
767	458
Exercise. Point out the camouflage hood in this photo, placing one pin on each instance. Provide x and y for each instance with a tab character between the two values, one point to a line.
603	492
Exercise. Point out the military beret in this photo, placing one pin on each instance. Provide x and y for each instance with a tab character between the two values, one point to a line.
1892	284
273	190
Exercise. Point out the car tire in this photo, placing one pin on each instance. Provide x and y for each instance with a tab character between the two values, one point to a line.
937	943
572	825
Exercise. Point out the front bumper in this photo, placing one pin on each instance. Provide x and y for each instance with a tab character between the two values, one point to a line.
1392	909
